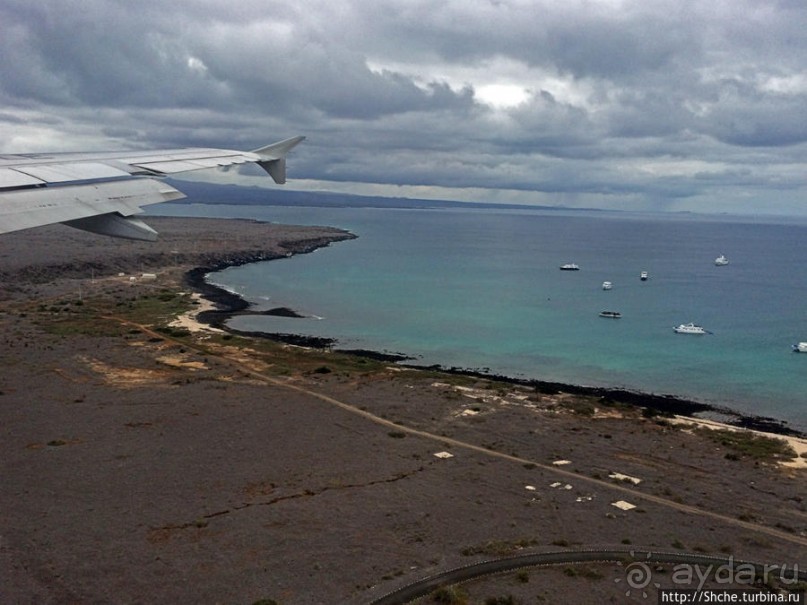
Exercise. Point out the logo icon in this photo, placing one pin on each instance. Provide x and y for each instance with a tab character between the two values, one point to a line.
638	576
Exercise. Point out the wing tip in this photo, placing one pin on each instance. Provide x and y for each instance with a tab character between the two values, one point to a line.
275	151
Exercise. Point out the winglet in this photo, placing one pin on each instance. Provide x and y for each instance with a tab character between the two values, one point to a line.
274	157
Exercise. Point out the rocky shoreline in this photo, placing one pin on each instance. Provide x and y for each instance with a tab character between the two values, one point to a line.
230	305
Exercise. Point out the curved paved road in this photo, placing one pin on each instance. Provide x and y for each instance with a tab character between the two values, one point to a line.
424	586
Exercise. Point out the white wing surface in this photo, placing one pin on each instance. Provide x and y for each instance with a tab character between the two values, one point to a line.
100	192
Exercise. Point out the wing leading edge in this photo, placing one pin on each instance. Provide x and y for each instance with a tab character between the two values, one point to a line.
100	192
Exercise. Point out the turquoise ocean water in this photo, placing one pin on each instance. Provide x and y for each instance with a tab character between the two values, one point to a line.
482	289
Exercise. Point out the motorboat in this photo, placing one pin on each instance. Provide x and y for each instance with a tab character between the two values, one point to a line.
613	315
643	276
606	285
689	328
721	260
800	347
569	267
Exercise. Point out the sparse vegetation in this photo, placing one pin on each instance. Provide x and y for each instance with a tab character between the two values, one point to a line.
750	445
450	595
582	572
583	406
166	295
523	577
174	332
498	548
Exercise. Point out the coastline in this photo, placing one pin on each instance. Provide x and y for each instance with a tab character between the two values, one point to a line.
229	304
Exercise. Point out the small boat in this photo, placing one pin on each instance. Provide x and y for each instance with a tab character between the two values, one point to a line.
643	276
611	314
721	260
800	347
569	267
606	285
689	328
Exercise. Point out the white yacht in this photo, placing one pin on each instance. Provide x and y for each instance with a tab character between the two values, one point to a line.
569	267
800	347
606	285
721	261
689	328
643	276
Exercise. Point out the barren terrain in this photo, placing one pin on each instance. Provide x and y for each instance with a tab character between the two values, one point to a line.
145	461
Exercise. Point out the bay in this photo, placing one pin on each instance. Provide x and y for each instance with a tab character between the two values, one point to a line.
482	289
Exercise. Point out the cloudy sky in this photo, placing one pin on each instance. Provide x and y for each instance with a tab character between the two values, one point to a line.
634	104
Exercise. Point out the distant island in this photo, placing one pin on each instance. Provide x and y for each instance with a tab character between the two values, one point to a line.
239	195
209	193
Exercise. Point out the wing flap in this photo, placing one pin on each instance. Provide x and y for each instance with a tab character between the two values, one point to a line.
70	172
179	160
24	209
174	166
10	178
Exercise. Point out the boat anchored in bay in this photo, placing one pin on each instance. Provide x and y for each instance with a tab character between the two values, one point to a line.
611	314
721	261
689	328
569	267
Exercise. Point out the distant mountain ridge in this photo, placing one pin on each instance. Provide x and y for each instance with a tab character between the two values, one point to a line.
209	193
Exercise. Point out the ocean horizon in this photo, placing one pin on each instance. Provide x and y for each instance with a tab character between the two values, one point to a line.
481	289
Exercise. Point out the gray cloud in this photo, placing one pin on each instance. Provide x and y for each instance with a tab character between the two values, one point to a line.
619	103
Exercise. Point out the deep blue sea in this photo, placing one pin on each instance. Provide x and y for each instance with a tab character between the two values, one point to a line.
482	289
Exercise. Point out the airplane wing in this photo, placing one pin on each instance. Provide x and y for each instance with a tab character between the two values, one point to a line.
100	192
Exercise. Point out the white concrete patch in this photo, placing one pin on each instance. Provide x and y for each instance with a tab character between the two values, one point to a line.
443	455
621	477
622	505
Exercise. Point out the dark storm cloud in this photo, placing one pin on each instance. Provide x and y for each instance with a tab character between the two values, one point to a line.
653	100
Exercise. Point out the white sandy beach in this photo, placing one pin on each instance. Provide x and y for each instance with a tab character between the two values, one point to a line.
798	444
